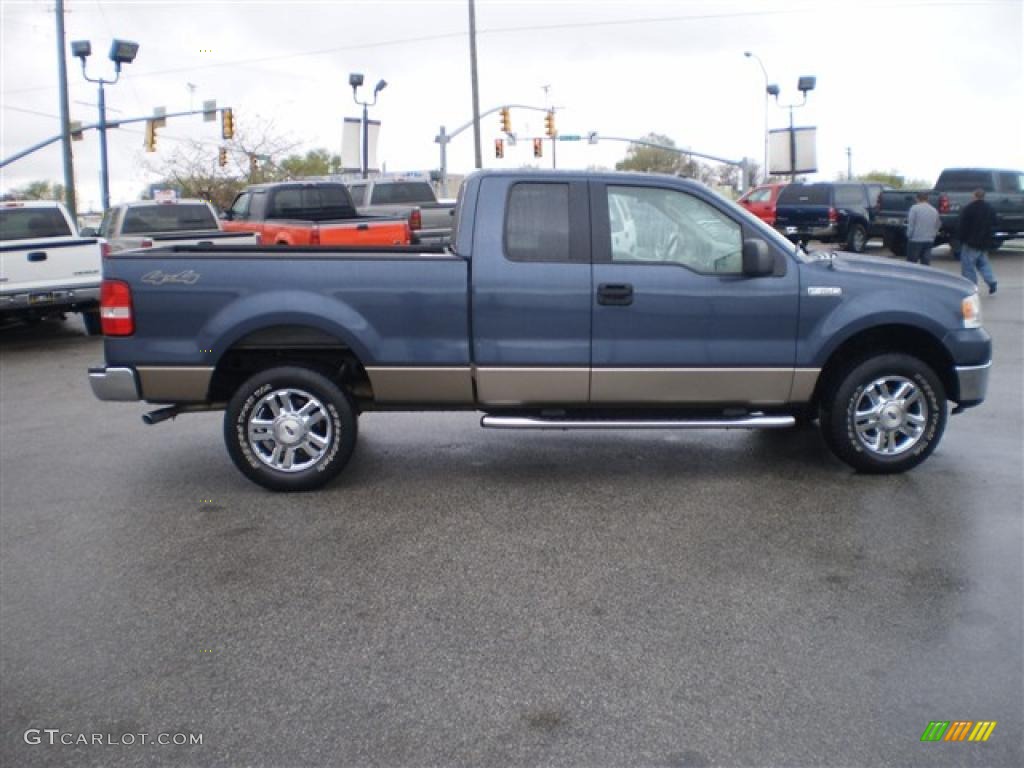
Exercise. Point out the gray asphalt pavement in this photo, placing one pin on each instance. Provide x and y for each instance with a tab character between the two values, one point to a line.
473	598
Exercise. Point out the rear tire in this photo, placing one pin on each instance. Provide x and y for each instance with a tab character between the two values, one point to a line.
290	429
895	242
856	238
884	414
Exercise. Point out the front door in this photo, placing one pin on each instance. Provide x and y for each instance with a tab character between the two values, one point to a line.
674	318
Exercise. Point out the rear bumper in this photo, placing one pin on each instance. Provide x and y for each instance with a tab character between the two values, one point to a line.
67	297
114	384
972	381
809	232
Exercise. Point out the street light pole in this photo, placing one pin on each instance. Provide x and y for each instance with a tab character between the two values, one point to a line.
767	93
355	80
65	119
121	52
478	153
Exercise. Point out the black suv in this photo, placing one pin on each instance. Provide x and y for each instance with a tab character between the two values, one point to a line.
840	212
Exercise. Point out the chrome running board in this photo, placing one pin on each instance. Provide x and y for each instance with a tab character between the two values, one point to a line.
750	421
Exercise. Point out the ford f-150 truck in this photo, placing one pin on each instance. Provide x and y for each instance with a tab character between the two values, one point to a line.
539	316
155	223
1004	191
311	213
405	197
46	268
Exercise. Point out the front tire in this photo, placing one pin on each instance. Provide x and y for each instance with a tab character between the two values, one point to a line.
290	429
91	321
885	414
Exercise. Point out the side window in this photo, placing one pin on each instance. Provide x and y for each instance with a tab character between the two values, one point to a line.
1011	182
537	223
240	208
760	196
667	226
257	210
670	226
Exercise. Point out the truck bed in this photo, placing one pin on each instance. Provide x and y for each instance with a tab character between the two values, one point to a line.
191	305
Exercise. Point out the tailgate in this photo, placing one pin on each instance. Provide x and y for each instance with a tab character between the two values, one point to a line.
48	265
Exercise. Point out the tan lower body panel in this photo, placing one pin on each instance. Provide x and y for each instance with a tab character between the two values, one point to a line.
174	384
512	386
754	386
523	386
422	385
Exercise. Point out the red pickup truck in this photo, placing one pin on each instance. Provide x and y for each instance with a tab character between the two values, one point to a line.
311	213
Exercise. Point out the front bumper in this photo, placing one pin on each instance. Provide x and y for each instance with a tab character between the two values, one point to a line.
804	232
972	381
114	384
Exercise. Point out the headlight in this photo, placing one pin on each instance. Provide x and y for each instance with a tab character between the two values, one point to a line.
970	311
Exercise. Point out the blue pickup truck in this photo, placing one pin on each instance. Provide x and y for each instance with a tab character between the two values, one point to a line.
566	300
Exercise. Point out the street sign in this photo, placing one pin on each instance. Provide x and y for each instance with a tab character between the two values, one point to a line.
570	137
210	111
158	117
76	130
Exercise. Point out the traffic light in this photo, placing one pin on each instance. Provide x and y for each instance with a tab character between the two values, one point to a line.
549	124
499	148
150	142
222	157
254	164
506	120
227	124
538	147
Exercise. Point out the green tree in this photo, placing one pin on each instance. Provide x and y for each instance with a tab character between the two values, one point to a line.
316	162
651	159
36	190
892	178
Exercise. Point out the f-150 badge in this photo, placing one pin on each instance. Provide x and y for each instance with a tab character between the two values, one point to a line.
824	290
156	277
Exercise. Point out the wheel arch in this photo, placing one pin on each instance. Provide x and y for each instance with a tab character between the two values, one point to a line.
883	339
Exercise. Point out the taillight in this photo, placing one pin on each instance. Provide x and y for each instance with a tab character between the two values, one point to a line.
833	215
116	318
943	203
104	250
146	243
416	219
314	236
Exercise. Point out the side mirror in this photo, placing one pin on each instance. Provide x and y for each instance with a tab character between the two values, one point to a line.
87	232
758	260
225	215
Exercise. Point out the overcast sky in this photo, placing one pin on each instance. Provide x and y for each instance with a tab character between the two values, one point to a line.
907	84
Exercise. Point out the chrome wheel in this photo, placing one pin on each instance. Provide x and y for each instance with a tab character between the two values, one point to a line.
289	430
890	415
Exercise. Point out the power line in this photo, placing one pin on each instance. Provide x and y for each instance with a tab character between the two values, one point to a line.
548	27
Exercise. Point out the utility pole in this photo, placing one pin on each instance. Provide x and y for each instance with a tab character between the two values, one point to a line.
849	164
65	119
476	88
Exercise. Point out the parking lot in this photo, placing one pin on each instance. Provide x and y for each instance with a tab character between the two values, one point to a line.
466	597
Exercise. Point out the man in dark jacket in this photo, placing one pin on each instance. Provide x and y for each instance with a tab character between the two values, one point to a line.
976	229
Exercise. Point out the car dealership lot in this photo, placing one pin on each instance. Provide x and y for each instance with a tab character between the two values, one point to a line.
468	597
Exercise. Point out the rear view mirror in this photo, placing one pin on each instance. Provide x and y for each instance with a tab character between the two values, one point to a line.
225	215
758	260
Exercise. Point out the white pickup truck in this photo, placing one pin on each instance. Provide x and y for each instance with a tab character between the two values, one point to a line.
46	268
159	223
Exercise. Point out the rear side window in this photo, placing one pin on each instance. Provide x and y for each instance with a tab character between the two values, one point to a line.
31	223
537	223
847	195
964	181
175	217
806	194
402	192
358	192
763	195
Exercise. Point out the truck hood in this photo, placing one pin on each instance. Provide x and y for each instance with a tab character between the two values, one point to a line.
890	271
